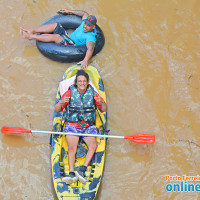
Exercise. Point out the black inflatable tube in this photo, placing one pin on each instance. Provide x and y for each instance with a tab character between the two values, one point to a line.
68	53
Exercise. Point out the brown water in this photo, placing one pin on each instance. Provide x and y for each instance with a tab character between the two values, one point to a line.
150	68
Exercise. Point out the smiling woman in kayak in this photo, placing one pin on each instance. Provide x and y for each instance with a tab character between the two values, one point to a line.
84	34
80	102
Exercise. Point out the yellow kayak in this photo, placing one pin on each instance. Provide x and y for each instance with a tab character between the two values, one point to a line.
59	148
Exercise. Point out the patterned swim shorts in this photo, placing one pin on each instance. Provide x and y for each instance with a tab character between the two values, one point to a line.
88	130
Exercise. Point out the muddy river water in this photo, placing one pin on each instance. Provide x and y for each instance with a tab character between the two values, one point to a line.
151	73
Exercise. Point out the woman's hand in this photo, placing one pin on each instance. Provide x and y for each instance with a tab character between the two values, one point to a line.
65	99
98	98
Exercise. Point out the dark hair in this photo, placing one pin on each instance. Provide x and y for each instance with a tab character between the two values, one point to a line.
81	73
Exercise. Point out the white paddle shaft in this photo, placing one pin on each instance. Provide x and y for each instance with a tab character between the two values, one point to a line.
79	134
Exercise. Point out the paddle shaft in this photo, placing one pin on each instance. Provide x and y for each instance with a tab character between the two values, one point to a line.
79	134
138	138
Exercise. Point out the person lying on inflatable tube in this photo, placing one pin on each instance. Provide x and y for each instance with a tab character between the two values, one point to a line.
85	34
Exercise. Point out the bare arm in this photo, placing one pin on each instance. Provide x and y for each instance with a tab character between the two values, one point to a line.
80	13
104	107
90	49
58	106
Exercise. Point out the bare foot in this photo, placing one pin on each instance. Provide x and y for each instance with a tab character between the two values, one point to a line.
25	34
29	31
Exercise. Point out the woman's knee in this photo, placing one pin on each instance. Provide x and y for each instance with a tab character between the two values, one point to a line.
72	149
93	147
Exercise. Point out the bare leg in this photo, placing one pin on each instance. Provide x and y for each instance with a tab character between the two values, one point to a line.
92	146
48	28
43	38
30	34
72	142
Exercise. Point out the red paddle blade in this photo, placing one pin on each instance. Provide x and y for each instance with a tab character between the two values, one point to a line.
14	130
141	138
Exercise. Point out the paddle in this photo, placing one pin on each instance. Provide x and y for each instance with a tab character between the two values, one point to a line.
138	138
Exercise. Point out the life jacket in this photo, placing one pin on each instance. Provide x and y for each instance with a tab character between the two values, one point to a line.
81	107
